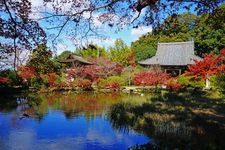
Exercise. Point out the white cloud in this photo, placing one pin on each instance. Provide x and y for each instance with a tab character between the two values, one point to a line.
106	42
36	3
138	32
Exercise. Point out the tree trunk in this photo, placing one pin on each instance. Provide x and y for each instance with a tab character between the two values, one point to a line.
15	54
207	83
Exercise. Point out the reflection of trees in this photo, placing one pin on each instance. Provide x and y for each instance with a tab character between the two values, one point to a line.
36	106
31	106
88	104
178	121
7	103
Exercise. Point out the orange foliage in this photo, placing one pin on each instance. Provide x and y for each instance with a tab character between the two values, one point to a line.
131	59
51	78
113	85
173	85
26	72
84	84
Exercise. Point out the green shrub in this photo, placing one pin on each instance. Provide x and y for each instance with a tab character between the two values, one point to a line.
187	81
113	79
129	72
218	81
13	77
37	82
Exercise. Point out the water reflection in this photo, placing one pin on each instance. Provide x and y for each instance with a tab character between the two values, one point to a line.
174	121
64	121
112	121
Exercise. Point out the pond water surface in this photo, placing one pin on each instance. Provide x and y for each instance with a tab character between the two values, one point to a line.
74	121
111	121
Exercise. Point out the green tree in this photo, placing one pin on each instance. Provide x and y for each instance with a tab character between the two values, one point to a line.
176	24
64	55
209	33
145	47
91	50
41	60
173	29
219	82
119	52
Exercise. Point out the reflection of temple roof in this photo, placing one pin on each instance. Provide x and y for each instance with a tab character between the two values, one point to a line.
174	54
76	58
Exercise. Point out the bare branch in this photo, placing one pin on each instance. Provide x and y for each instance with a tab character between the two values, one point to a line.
67	20
139	13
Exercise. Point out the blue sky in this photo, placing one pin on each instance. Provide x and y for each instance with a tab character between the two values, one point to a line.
65	42
127	34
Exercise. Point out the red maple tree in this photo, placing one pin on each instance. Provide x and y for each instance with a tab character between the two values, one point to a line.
131	59
209	65
84	84
107	67
51	77
102	68
86	72
173	85
26	72
148	78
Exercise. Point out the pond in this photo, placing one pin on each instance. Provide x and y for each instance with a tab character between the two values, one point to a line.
111	121
57	121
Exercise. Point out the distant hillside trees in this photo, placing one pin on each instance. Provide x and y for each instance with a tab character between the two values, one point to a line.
208	32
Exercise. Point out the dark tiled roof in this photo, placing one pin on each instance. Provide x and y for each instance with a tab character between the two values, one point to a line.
73	58
174	54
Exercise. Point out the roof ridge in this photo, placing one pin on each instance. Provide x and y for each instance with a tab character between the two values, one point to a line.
169	43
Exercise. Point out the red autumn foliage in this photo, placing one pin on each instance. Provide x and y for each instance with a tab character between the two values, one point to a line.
173	85
62	85
107	67
101	68
113	85
71	73
84	84
131	59
51	78
148	78
87	72
208	66
26	72
4	80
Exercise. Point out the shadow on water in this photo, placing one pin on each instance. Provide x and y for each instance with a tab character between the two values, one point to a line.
188	120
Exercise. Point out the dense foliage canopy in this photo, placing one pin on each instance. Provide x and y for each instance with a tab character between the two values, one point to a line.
207	31
18	32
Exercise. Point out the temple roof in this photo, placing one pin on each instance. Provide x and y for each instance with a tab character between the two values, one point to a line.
174	54
73	57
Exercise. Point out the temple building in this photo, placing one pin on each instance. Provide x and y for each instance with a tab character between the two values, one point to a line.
173	57
74	60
